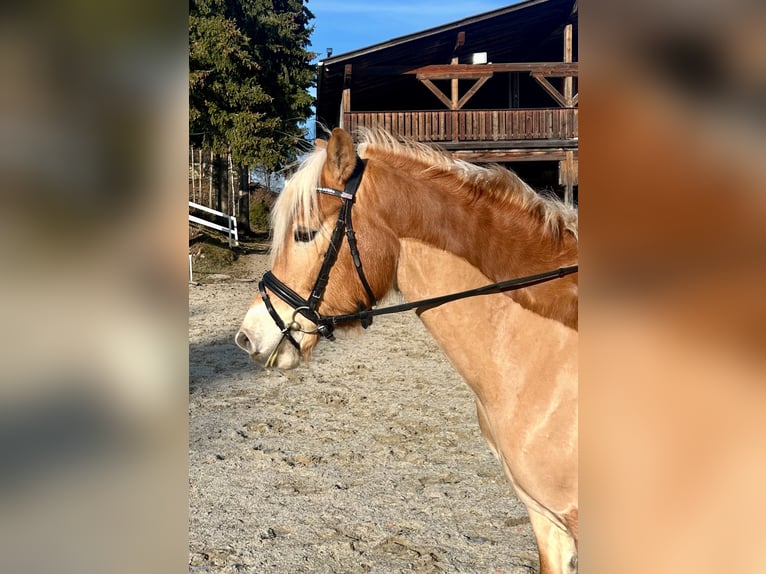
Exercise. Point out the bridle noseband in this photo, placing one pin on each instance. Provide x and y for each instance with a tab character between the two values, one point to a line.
325	324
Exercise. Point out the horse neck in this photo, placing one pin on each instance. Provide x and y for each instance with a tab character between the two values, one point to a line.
500	238
489	339
522	369
494	234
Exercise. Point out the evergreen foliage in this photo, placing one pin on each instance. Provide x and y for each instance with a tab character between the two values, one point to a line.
249	75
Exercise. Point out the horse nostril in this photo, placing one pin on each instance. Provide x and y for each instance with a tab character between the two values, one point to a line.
243	342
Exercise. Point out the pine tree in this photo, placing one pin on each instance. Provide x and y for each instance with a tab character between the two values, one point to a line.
249	76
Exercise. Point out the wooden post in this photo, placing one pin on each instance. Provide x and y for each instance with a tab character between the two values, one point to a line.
453	104
570	168
191	155
195	178
568	59
455	93
210	182
345	102
199	179
232	203
345	107
568	176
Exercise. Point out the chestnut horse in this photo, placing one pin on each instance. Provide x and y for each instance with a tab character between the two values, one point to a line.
430	225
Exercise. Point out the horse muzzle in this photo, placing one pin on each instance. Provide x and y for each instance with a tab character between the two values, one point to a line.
277	354
267	346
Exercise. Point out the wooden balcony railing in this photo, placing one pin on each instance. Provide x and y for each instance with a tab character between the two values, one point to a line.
472	125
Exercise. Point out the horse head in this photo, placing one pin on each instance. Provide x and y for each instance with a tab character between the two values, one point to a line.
281	330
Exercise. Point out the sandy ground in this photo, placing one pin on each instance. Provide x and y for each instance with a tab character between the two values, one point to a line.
369	459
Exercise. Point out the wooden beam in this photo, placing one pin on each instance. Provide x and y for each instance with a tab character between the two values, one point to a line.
457	74
476	71
437	92
553	146
560	69
555	94
482	156
469	94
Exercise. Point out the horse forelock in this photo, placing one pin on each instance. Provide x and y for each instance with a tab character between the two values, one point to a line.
556	217
298	199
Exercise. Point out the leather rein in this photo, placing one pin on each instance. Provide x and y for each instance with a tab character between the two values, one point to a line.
325	324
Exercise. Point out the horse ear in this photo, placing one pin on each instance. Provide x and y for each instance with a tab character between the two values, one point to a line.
341	158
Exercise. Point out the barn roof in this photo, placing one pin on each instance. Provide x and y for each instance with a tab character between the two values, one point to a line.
529	31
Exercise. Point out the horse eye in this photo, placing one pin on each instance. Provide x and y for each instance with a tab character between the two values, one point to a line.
303	235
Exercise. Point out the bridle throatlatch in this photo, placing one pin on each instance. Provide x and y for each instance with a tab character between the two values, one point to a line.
325	324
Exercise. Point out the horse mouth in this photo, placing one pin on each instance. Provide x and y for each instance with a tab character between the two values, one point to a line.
281	356
283	361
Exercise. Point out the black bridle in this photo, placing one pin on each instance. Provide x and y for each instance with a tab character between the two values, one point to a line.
309	307
325	324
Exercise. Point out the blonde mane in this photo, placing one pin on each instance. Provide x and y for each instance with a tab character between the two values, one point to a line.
298	199
555	216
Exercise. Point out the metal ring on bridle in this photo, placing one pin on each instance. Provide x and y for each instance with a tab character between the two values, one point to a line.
295	326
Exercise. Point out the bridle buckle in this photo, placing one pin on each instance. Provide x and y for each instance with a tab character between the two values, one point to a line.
326	331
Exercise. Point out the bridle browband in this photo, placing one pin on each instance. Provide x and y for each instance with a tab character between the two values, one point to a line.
325	324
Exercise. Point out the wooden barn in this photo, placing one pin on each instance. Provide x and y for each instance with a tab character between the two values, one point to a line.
496	87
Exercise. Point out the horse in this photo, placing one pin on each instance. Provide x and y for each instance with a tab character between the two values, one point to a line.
429	225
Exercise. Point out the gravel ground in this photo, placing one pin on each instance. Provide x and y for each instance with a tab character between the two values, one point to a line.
369	459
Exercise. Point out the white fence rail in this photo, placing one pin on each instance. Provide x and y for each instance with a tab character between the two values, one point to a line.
230	230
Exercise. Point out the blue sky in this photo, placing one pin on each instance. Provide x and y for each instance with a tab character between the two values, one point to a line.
347	25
